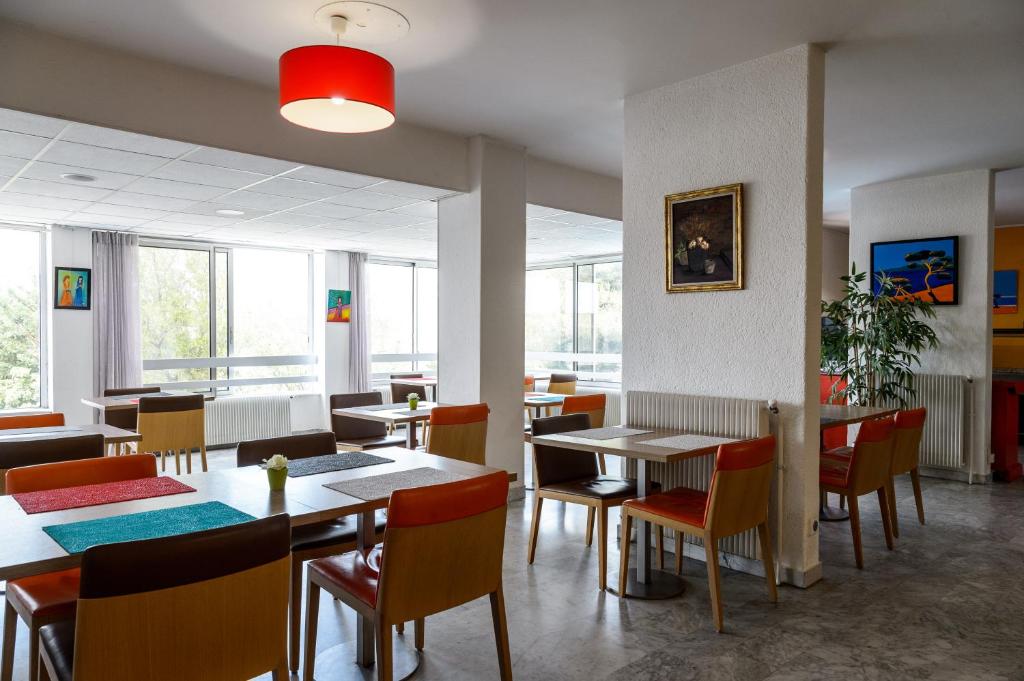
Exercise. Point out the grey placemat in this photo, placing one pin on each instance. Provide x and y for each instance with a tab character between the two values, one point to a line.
606	433
381	407
381	486
688	441
135	396
342	461
414	412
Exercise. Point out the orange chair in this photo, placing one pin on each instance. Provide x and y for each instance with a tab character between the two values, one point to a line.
529	383
837	436
51	597
460	526
736	501
459	432
32	421
865	469
907	445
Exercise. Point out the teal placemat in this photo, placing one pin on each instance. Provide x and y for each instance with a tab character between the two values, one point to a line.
166	522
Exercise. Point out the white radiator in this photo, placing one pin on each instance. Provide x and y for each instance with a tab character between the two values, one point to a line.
723	417
945	442
236	419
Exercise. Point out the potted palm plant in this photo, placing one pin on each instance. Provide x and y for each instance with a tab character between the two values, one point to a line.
873	343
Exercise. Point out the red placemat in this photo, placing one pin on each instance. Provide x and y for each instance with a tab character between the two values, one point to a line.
94	495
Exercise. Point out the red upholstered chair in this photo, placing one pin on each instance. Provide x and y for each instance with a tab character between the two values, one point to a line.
443	547
51	597
32	421
736	501
864	469
832	437
905	450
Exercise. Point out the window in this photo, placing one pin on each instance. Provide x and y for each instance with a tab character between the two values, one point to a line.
22	379
225	318
574	320
402	298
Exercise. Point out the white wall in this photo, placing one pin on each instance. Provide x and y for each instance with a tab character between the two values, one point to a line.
333	347
835	262
956	204
70	352
559	186
759	123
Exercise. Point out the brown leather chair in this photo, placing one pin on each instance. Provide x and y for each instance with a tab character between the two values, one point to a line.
173	424
308	541
18	453
207	605
574	477
443	548
400	391
127	419
356	435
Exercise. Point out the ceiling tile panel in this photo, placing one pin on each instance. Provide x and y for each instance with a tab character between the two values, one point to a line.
35	201
100	158
124	198
330	210
80	191
425	209
21	146
52	172
176	190
124	211
238	161
338	178
299	189
361	198
199	173
414	191
267	202
125	141
30	124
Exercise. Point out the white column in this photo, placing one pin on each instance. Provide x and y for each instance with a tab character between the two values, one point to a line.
955	204
759	123
70	352
481	296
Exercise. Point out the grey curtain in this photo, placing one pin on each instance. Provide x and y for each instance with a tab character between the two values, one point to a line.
116	326
359	328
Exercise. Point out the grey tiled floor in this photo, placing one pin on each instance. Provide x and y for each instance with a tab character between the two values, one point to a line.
947	604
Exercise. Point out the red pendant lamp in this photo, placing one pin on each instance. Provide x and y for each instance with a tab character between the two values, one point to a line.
343	89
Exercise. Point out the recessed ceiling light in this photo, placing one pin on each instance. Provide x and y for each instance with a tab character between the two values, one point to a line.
78	177
230	212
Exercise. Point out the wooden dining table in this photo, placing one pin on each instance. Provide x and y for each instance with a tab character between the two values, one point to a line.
538	401
393	415
111	435
643	581
835	416
28	550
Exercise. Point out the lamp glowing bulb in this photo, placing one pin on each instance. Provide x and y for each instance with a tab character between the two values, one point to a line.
337	101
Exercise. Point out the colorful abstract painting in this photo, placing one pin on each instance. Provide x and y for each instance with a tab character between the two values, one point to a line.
1004	292
926	269
72	288
339	306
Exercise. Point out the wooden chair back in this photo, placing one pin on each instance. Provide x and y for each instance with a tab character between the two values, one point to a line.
443	546
562	384
529	383
400	391
208	605
459	432
172	423
837	436
125	418
20	453
77	473
293	446
556	464
871	463
740	486
53	420
592	405
349	428
907	440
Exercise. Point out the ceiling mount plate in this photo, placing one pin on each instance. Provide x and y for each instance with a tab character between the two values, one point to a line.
367	23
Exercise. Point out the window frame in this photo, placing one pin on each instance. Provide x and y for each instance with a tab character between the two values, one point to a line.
415	357
43	266
575	357
213	362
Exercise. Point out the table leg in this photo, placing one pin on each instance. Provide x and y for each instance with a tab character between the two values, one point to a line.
410	434
365	539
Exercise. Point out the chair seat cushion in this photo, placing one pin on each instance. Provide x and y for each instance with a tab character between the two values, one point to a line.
838	452
53	594
355	572
329	533
834	471
58	640
598	487
374	442
681	504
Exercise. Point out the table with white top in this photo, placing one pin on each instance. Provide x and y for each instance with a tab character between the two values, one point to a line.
393	415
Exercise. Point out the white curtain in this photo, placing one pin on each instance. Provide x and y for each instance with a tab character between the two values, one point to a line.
117	326
359	328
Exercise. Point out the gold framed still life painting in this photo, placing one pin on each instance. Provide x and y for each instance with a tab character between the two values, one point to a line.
704	240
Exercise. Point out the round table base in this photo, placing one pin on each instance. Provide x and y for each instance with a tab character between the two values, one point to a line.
661	586
828	514
339	663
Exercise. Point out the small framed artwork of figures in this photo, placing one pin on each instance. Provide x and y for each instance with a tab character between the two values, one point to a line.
1004	292
703	240
339	306
918	268
72	288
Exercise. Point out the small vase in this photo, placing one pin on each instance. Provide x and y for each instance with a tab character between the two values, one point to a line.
695	259
413	404
277	477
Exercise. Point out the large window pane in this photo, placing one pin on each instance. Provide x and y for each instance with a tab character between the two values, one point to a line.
608	319
549	316
19	319
270	310
426	316
389	295
174	291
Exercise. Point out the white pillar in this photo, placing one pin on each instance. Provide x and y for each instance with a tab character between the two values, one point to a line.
759	123
481	296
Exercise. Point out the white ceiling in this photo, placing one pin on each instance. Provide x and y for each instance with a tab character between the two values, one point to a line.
913	86
164	188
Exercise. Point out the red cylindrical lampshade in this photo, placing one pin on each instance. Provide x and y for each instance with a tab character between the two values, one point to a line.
337	89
